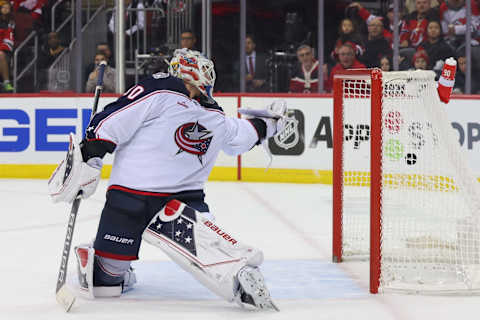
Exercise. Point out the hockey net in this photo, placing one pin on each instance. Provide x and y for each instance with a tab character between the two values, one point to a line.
403	194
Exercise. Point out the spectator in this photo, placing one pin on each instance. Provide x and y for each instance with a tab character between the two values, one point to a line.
135	24
305	76
368	17
436	47
420	60
51	51
7	26
460	78
453	14
108	77
347	60
33	7
388	22
410	5
28	16
386	63
188	39
104	48
255	67
376	45
48	54
414	27
348	33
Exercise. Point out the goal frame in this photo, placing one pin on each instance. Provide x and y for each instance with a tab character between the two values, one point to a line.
374	76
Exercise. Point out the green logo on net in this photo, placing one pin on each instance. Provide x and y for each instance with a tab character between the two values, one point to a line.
393	149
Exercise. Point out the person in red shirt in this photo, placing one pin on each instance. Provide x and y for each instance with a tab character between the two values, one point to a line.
6	44
414	27
346	60
34	7
28	17
368	17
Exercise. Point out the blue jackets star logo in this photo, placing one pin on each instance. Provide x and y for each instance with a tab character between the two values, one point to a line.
193	138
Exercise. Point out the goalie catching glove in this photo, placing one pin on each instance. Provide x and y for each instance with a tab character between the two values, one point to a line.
274	116
73	175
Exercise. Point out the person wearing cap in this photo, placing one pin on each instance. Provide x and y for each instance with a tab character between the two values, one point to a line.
420	60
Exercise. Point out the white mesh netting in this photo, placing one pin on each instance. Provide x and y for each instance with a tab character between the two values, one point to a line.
430	237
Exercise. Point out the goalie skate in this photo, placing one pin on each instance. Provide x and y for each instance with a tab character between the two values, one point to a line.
252	291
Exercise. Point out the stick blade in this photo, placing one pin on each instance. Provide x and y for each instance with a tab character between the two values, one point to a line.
65	298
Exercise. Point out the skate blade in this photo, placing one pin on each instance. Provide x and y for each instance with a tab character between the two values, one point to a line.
273	306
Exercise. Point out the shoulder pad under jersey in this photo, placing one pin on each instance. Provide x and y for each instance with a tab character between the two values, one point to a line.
208	102
163	81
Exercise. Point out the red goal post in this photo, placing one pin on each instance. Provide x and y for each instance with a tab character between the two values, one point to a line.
403	195
368	81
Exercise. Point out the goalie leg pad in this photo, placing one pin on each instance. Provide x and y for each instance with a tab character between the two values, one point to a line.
102	277
85	259
202	248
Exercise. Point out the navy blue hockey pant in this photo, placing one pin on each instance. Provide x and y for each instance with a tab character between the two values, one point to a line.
125	216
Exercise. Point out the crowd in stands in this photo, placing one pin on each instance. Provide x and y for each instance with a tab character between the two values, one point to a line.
430	31
428	35
7	26
17	19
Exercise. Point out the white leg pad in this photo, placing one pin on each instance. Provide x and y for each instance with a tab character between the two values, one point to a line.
85	258
201	248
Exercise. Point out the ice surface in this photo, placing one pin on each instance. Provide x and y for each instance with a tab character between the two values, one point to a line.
290	223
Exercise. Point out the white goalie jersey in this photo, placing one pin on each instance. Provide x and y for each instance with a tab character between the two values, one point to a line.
179	141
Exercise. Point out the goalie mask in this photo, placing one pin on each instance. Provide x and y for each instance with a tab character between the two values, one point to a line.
193	67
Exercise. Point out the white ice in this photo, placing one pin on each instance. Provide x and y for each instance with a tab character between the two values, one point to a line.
291	223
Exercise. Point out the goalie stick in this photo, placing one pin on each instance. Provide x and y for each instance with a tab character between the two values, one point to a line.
63	295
